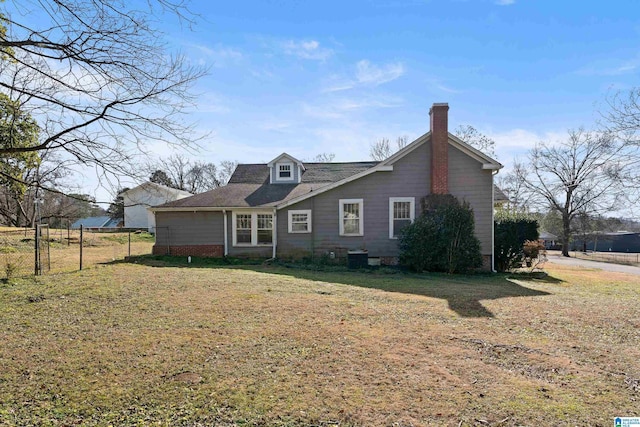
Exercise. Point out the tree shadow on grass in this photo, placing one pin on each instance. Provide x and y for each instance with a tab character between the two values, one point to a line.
463	293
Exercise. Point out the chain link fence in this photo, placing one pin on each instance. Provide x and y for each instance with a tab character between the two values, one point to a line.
28	251
612	257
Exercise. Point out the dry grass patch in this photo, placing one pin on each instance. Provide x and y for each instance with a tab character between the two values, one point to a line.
137	345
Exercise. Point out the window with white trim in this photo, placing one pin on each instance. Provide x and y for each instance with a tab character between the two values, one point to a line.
252	229
285	171
265	229
402	212
243	229
300	221
351	217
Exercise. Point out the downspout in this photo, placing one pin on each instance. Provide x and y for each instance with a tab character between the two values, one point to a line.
275	233
493	225
224	222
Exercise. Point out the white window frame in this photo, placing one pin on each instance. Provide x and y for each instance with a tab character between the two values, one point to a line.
254	228
291	166
412	211
360	203
299	212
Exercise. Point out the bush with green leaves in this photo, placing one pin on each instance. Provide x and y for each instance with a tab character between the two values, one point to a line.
512	230
442	238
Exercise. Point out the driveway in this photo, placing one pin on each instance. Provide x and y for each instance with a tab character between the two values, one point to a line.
557	258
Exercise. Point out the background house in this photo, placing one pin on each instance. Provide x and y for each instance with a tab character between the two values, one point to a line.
138	199
549	240
620	241
97	223
290	209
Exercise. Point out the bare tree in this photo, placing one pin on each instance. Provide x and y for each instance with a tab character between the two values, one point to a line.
225	170
323	158
622	117
97	77
574	176
473	137
202	177
179	172
514	188
382	149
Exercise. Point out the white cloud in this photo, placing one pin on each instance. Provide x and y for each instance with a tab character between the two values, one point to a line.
220	56
369	74
624	68
211	103
505	2
340	108
516	143
366	74
307	49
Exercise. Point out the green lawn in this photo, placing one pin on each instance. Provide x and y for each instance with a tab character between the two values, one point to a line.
136	344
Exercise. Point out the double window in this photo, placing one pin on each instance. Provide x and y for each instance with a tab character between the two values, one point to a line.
351	217
252	229
300	221
402	211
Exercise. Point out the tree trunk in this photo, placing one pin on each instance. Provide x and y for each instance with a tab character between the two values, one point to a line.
566	234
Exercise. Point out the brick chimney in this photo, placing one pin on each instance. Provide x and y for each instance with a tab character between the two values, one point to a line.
439	148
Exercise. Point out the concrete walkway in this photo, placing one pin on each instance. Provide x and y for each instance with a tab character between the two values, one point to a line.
557	258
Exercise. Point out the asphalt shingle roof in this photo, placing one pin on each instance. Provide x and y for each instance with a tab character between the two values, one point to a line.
249	186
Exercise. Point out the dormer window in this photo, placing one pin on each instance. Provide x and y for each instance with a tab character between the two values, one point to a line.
284	171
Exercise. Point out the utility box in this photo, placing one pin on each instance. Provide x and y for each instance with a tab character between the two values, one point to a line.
357	259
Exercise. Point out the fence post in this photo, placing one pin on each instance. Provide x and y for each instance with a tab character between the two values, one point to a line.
129	243
48	250
81	230
36	262
68	233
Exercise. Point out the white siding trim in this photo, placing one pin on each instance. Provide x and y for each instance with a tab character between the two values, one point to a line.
299	212
412	211
360	203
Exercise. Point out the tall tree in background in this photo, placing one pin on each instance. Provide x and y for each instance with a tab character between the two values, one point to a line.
574	177
382	148
179	172
473	137
622	117
17	130
225	170
116	208
160	177
97	77
323	158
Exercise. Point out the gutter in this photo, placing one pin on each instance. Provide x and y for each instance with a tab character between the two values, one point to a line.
493	226
224	232
275	233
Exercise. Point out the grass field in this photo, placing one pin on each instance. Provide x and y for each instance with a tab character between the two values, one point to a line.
151	344
63	255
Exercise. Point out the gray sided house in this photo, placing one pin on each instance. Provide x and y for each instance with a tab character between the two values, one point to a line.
290	209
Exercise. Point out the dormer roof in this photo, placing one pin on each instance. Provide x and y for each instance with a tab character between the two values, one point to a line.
284	157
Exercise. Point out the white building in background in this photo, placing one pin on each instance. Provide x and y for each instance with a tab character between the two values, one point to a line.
138	199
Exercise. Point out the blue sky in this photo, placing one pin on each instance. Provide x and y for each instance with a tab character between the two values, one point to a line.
312	77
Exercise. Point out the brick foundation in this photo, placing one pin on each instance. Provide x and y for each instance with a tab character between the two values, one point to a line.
486	263
208	251
389	260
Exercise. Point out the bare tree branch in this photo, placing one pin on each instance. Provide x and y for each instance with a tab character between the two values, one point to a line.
98	78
